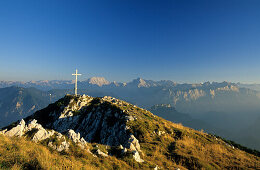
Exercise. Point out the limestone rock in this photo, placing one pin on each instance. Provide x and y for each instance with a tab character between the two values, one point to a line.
63	146
100	153
133	143
22	128
85	119
39	133
137	156
130	118
123	149
75	137
16	131
42	134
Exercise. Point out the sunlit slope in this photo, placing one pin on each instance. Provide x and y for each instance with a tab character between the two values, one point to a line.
137	138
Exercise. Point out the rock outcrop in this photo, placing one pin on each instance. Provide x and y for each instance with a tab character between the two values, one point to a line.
82	119
100	153
15	131
37	133
137	156
96	120
75	137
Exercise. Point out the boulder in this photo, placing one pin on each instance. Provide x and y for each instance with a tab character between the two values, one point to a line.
75	137
16	131
100	153
137	156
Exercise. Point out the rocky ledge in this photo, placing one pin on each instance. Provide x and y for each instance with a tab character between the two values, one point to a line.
97	120
37	133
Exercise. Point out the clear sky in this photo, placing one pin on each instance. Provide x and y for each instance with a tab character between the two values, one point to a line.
180	40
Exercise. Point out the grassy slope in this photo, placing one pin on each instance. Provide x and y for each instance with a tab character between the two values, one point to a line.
20	153
15	154
163	143
184	146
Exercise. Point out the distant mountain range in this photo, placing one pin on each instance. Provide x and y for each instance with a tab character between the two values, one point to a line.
203	97
253	86
101	81
17	103
225	107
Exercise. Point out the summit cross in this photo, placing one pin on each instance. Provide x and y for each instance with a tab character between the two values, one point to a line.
76	81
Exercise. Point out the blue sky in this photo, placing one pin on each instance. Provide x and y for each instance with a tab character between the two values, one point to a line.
180	40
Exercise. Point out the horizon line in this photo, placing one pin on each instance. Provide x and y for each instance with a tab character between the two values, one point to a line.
178	82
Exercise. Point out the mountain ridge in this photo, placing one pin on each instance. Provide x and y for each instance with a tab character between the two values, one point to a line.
101	81
128	131
197	100
18	102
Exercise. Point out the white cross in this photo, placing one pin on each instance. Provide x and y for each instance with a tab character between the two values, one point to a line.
76	81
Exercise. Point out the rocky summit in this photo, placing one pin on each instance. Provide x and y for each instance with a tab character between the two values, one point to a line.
120	133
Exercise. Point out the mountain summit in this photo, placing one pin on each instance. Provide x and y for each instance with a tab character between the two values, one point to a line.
100	81
111	127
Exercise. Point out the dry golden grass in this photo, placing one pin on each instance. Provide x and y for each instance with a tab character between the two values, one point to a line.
216	154
184	147
18	153
163	143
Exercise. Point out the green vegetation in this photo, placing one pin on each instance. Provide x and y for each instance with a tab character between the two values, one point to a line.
163	144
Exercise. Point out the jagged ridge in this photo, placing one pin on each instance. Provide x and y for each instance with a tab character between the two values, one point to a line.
131	130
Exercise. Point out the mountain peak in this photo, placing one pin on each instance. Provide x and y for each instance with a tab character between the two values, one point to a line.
139	82
142	83
100	81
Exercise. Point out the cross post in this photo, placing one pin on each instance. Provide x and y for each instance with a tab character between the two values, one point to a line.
76	81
